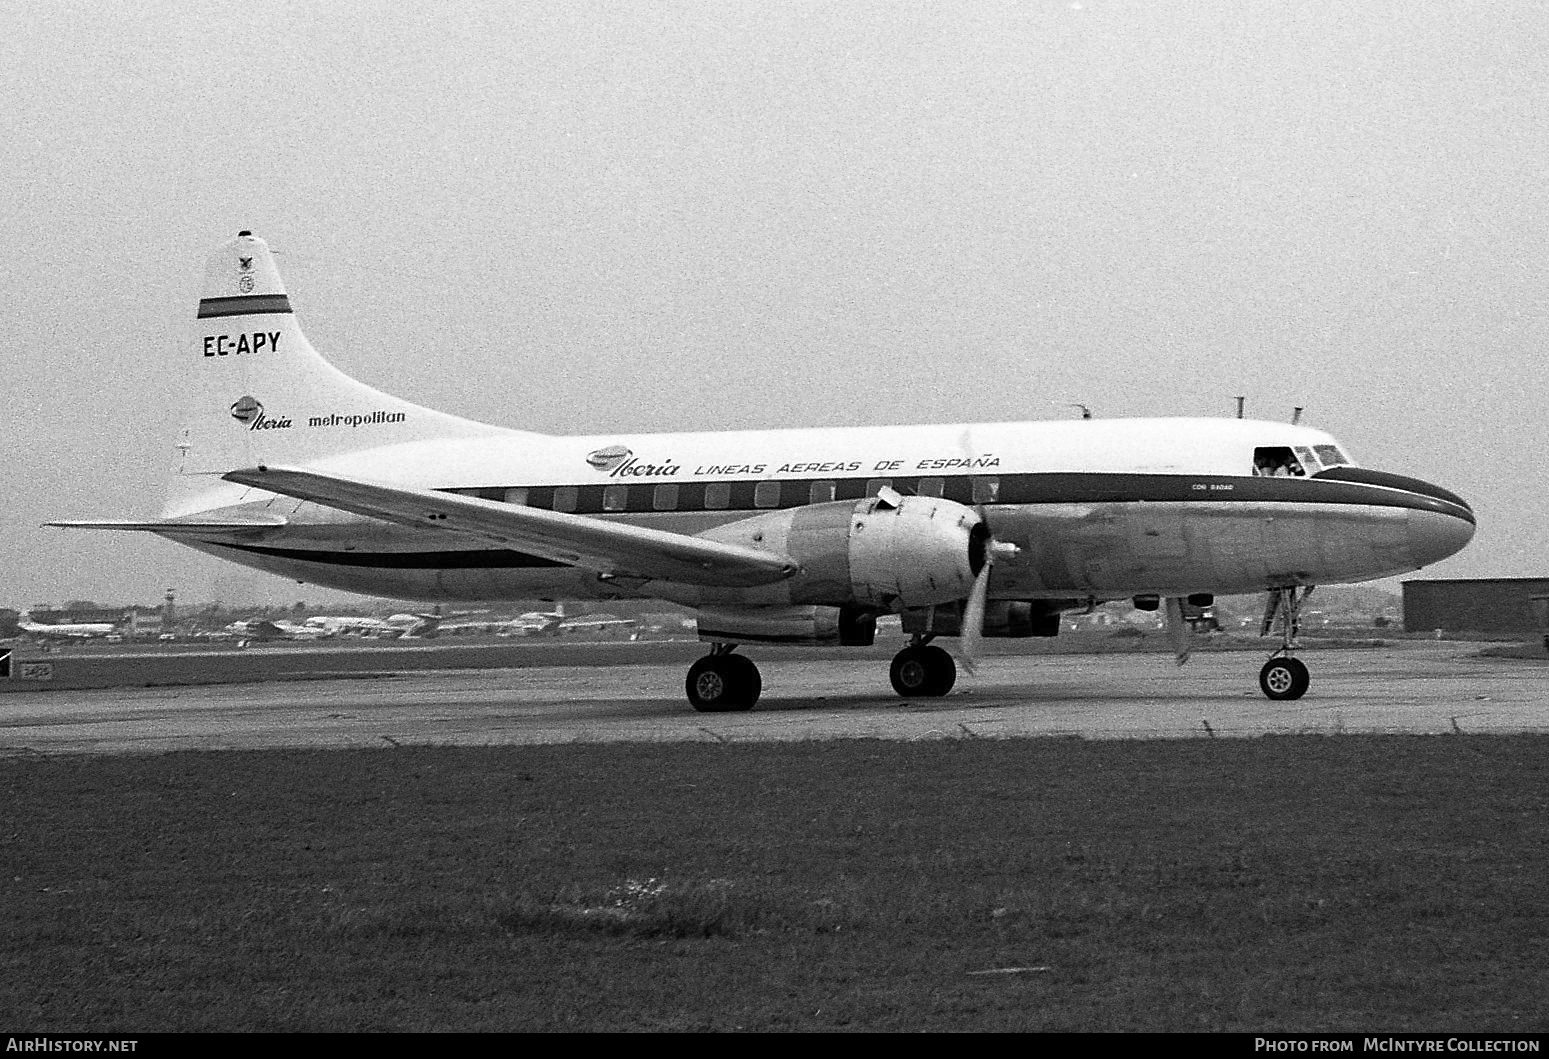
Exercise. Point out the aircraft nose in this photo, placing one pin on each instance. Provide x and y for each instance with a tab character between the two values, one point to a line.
1439	521
1434	535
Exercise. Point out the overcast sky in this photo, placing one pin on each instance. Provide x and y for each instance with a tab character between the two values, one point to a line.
610	217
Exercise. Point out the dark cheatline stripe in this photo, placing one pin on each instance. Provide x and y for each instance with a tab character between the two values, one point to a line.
246	305
484	559
1363	476
1355	487
1346	486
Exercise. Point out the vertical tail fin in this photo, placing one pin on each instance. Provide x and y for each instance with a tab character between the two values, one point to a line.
255	391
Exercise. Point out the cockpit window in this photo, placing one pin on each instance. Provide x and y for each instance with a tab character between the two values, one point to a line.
1277	462
1331	456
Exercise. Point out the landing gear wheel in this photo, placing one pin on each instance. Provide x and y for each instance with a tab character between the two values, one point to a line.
922	671
1284	678
723	683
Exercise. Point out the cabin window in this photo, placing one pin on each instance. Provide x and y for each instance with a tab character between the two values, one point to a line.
875	486
717	496
766	494
986	490
565	497
615	498
518	495
1331	456
1277	462
821	492
932	486
665	498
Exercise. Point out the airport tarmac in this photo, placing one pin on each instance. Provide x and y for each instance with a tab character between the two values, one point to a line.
1403	687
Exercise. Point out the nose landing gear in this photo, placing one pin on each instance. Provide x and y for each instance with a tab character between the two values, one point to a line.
1284	677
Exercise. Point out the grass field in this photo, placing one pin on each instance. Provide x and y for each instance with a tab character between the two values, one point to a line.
1276	884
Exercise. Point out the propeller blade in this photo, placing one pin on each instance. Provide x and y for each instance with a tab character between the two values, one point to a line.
1178	632
972	635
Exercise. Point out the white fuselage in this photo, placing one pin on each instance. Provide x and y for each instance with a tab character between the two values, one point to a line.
1095	508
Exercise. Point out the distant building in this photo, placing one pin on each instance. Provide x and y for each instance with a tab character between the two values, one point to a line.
1489	604
69	615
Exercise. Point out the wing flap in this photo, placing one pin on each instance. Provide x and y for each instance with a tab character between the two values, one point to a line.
608	547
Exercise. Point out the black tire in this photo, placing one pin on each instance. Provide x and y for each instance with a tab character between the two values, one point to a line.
922	672
723	684
1284	678
750	682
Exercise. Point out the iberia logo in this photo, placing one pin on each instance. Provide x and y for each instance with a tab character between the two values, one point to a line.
247	411
616	461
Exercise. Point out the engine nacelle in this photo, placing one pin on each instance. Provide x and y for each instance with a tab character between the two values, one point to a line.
847	626
886	552
1008	619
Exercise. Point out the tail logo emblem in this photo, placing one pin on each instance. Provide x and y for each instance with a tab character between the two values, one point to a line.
247	411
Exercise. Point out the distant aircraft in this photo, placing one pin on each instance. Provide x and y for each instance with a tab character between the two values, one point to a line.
530	623
408	626
80	630
595	623
541	622
264	629
350	625
774	536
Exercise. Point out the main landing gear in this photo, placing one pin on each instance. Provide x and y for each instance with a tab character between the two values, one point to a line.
1283	676
722	682
922	670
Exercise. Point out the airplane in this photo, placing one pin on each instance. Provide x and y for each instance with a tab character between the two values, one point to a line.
595	623
79	630
349	625
556	622
540	622
796	536
264	629
407	626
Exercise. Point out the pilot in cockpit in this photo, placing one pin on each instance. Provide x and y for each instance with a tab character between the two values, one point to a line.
1276	463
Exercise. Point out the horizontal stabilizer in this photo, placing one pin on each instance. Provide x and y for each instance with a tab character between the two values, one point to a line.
235	524
612	548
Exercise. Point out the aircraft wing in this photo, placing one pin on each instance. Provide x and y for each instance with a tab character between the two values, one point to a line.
180	525
576	540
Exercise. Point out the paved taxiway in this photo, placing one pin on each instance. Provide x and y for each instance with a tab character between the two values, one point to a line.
1402	688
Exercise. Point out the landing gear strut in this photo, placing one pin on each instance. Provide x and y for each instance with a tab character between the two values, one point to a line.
722	682
1283	676
922	670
